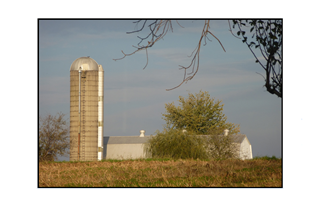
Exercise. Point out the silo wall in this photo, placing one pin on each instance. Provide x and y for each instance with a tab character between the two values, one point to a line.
89	115
100	112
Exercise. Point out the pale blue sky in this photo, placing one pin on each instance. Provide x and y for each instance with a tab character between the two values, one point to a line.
135	98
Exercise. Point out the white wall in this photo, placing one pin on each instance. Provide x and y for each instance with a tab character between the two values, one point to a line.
124	151
245	151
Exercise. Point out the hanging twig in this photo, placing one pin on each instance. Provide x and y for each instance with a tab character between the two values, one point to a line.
163	26
196	57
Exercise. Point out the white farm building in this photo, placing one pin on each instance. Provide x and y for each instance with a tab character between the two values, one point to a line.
132	147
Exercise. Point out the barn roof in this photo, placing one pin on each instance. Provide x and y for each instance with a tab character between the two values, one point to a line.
125	139
239	138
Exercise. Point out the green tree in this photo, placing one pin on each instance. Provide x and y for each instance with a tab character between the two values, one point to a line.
198	114
53	134
173	143
203	119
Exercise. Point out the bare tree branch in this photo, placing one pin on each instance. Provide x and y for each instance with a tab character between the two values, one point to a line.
158	29
196	57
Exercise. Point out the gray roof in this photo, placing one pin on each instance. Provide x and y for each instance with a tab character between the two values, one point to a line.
239	138
91	64
125	139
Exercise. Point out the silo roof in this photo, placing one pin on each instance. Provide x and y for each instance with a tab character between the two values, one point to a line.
87	63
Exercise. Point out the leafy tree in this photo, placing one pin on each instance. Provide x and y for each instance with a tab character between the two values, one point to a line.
204	122
53	134
198	114
268	34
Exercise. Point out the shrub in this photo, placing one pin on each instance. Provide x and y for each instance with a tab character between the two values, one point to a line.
266	158
173	143
220	146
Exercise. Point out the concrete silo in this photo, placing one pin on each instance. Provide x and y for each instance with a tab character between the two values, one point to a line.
86	110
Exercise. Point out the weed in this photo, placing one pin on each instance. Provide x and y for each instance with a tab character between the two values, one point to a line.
259	172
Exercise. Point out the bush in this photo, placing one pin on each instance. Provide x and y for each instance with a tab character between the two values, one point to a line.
220	146
266	158
173	143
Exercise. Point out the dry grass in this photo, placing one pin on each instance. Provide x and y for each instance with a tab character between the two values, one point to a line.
170	173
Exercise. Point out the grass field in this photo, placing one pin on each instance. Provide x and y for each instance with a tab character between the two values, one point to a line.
261	172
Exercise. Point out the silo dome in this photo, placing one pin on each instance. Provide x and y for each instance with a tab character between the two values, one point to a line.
87	63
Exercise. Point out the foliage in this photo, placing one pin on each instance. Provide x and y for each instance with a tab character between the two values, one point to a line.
198	114
267	36
173	143
221	146
53	134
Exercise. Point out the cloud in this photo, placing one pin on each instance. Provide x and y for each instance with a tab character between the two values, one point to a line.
99	36
196	26
64	32
66	38
54	90
55	58
133	86
130	121
175	55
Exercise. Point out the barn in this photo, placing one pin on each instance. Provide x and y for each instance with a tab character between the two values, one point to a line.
132	147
